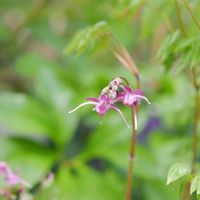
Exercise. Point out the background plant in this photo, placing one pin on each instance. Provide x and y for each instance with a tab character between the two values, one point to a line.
40	83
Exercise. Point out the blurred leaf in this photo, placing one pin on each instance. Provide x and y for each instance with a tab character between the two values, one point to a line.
75	184
177	171
195	185
183	52
190	56
22	113
126	8
166	51
44	113
89	37
26	158
29	64
153	15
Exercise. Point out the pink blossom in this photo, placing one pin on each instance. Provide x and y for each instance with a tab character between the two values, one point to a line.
101	105
4	169
114	93
131	97
11	177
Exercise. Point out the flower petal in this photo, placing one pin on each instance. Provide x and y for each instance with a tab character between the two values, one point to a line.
81	105
120	97
138	92
135	116
142	97
93	99
127	89
4	168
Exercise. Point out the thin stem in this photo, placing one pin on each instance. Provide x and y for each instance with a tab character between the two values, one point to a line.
166	19
196	121
131	159
191	13
181	24
125	59
34	12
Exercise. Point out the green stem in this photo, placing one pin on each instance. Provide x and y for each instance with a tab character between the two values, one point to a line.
131	159
35	11
196	121
181	24
191	13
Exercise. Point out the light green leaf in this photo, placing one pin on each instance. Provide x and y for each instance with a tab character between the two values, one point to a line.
89	37
166	52
127	8
177	171
76	183
198	187
195	184
22	113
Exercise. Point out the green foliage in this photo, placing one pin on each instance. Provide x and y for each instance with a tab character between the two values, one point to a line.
127	8
166	51
195	185
177	171
98	34
39	85
179	51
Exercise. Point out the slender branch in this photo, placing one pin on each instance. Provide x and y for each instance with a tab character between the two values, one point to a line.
196	121
35	11
131	159
191	13
186	191
181	24
126	60
166	19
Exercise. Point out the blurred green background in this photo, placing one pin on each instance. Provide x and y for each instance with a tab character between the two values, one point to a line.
40	83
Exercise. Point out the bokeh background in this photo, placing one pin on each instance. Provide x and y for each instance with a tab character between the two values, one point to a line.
40	83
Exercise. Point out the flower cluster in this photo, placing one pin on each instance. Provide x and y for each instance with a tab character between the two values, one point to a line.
116	92
12	179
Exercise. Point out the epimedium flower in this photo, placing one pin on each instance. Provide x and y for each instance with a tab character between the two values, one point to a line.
116	92
101	105
11	177
131	97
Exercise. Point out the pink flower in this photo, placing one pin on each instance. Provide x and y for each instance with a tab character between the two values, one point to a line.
4	169
11	177
101	105
131	97
116	92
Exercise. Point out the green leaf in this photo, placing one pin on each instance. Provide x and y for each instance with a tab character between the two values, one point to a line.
198	187
22	113
177	171
189	51
75	184
127	8
87	38
195	184
149	19
166	52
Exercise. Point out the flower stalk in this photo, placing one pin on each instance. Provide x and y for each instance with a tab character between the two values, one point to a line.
131	159
124	57
196	121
